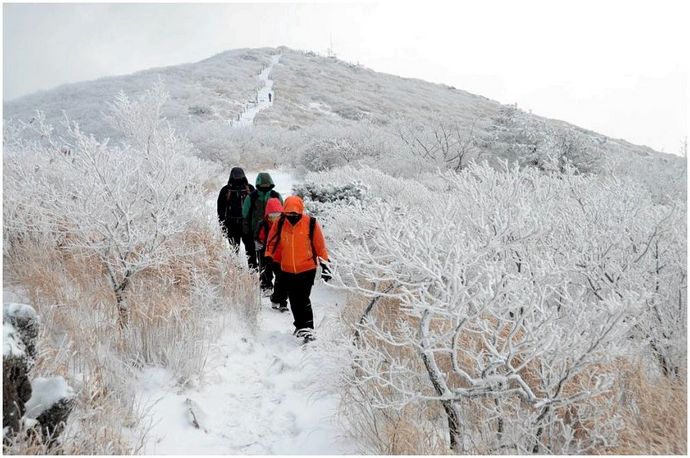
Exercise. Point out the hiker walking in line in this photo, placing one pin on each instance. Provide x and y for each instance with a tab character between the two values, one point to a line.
269	97
298	239
253	211
229	206
274	210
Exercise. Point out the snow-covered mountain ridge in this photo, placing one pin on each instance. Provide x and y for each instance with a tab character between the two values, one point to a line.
311	89
325	112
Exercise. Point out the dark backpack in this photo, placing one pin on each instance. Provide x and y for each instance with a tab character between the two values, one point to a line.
234	199
312	225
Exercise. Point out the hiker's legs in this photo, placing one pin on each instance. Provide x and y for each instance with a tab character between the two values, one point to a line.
280	294
234	238
250	251
299	290
266	270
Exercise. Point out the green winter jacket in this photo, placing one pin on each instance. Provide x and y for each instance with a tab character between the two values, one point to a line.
255	204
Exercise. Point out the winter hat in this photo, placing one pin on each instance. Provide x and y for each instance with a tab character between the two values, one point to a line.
273	205
237	174
264	179
293	204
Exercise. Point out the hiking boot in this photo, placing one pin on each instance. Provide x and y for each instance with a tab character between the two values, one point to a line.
283	308
275	306
306	334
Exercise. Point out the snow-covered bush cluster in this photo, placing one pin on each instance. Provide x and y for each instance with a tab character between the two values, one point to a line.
315	195
512	299
531	141
123	205
323	154
92	227
438	144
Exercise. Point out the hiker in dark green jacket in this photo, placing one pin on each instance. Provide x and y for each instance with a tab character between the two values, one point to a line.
253	214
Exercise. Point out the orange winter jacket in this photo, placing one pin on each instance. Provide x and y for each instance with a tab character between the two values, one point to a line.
294	244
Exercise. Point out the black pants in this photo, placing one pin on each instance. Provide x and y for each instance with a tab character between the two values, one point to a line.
266	275
280	294
298	288
234	236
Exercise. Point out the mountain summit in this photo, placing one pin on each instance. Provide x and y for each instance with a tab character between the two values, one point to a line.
313	95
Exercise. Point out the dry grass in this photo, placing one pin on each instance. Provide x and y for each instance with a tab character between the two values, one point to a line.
412	430
638	415
654	414
80	340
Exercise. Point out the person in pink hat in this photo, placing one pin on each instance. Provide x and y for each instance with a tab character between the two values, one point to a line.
271	266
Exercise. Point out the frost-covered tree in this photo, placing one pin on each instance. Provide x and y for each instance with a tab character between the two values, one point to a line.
325	153
125	205
441	143
507	300
531	141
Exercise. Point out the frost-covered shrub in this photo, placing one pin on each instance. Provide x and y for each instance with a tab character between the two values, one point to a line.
215	141
513	298
326	153
316	195
440	144
93	228
534	142
120	204
349	112
201	110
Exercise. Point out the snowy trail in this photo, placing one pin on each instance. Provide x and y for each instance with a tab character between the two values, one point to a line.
264	97
261	394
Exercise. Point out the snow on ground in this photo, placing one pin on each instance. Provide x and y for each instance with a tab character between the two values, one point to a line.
260	394
12	345
46	392
13	293
264	97
322	108
13	300
283	180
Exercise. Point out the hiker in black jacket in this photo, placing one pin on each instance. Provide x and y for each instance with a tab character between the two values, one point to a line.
230	201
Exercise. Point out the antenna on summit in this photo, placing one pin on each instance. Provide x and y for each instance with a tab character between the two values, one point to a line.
331	52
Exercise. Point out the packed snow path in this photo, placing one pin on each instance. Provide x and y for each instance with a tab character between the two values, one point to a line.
260	394
264	97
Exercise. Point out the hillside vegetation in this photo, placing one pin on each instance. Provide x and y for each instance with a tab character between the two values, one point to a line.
514	284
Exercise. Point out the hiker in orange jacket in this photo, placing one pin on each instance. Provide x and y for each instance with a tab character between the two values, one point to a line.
279	297
298	241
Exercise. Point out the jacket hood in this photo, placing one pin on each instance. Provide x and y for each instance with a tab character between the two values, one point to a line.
263	179
294	204
273	205
237	174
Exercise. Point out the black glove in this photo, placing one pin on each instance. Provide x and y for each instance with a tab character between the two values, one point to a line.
325	273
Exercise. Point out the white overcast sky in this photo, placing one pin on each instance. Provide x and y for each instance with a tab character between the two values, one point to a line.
617	67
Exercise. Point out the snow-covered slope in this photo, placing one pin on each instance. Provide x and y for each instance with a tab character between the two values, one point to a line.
315	97
264	97
309	89
214	90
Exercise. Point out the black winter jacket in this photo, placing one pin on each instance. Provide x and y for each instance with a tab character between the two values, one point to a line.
230	200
